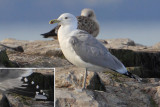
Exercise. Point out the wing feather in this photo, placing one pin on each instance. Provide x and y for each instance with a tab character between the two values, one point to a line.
92	51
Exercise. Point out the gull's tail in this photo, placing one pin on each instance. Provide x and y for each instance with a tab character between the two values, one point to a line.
50	34
133	76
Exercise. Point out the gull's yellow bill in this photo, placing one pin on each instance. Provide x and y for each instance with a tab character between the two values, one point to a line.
54	21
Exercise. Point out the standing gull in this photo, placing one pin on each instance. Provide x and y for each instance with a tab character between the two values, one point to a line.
83	50
87	21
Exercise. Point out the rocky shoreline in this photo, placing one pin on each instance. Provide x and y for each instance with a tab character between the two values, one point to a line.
103	89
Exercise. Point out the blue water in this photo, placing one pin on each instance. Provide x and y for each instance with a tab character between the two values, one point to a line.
146	33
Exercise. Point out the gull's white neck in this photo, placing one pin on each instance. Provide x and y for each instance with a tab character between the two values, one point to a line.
65	30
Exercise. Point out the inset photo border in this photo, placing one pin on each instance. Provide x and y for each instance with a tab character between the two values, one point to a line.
27	87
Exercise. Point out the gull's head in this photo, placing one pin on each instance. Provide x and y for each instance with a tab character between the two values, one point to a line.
88	13
65	19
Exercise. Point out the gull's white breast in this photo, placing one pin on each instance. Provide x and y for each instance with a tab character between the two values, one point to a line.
71	55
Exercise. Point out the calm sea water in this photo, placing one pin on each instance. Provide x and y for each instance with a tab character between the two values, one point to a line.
146	33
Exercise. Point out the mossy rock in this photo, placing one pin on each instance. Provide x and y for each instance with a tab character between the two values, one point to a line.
4	60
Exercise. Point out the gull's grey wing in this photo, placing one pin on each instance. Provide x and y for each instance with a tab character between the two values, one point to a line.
92	51
89	25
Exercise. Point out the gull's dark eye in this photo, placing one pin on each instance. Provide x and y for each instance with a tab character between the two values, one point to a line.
89	15
66	17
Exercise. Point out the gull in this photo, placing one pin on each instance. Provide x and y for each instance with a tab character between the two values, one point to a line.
25	79
37	92
41	91
83	50
37	86
32	82
87	21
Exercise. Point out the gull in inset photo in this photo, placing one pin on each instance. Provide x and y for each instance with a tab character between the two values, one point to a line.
28	83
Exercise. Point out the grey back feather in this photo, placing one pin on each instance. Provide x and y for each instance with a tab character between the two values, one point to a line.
92	51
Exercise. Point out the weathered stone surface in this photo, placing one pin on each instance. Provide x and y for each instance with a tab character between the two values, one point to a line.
156	46
119	43
21	101
119	90
90	98
38	47
73	77
36	53
49	54
4	60
17	48
3	101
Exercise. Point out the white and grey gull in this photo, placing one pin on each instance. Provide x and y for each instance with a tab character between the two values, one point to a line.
83	50
87	21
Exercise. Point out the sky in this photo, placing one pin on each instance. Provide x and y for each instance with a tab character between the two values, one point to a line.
138	20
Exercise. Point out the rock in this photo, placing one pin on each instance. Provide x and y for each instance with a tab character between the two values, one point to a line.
115	96
156	46
21	101
119	43
4	60
13	41
119	90
66	98
18	48
34	47
143	60
73	77
4	101
36	53
153	90
116	89
56	53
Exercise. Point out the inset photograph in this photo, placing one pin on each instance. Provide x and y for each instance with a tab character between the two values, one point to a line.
27	87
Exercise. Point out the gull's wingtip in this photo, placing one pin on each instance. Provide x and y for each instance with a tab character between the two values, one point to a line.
45	35
129	74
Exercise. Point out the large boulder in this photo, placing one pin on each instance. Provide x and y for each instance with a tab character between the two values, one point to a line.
4	60
141	60
73	77
119	90
105	89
